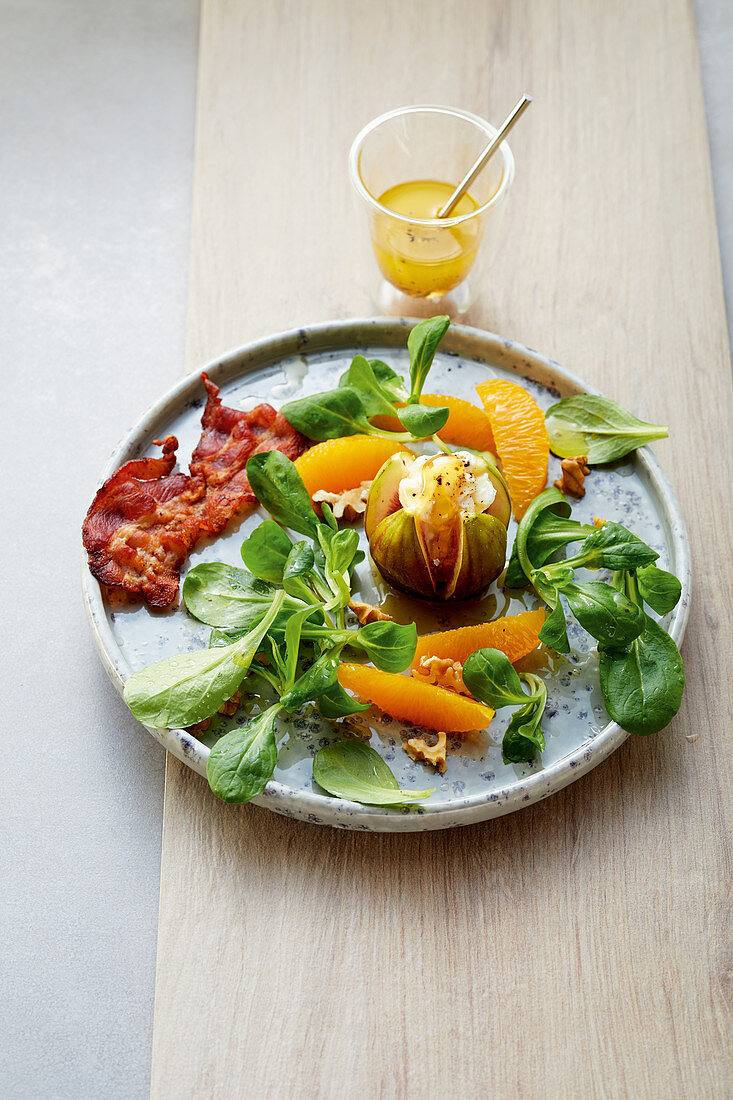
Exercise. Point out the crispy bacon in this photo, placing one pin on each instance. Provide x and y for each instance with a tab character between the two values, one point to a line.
142	524
145	519
229	438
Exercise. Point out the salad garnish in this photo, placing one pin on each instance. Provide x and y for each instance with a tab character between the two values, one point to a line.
641	673
370	388
353	770
598	428
293	596
490	677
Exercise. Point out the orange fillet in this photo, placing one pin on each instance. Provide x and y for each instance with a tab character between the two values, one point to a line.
522	442
411	701
514	635
467	425
337	465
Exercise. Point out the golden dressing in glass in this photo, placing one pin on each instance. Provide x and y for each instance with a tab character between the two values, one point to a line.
424	261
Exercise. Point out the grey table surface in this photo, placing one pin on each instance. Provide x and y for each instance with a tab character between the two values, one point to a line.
98	116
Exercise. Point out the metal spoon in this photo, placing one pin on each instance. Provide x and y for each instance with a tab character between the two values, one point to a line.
485	156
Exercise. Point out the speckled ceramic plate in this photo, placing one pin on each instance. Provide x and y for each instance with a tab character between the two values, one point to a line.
476	784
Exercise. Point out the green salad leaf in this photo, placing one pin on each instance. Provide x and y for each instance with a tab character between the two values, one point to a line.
524	737
241	763
230	599
491	678
299	563
266	551
389	646
423	421
642	686
370	388
522	562
422	344
613	547
293	634
659	589
320	677
361	378
554	632
328	415
355	771
586	424
337	703
391	383
608	615
182	690
279	488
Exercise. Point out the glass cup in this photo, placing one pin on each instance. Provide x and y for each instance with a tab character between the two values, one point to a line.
428	265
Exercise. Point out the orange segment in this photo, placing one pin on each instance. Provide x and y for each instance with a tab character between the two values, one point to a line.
467	425
340	464
410	700
514	635
522	442
387	423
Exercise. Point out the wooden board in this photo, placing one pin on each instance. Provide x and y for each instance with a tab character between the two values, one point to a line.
577	948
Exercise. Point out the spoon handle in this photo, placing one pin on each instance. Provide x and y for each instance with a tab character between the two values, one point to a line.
485	156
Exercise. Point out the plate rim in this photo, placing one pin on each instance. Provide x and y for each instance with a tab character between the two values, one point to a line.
324	809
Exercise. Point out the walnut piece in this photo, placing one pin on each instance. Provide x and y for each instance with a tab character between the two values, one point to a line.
443	672
367	613
200	727
348	505
420	750
230	707
574	472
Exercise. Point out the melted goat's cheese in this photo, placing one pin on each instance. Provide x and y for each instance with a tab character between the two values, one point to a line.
452	477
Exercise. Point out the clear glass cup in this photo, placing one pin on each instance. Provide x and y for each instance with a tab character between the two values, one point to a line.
428	265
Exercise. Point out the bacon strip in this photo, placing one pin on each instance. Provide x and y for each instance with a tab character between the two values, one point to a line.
142	524
229	438
145	519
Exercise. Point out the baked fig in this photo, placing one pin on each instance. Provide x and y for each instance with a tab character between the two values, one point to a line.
437	524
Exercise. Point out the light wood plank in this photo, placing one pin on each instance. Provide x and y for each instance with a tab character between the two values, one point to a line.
577	948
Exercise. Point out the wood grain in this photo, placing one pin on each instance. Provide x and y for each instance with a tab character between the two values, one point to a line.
578	948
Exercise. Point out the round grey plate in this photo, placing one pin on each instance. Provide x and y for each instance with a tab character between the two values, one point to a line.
476	784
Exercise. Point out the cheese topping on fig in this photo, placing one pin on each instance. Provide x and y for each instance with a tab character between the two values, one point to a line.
450	477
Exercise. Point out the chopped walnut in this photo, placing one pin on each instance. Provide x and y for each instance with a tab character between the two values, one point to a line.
367	613
348	505
200	727
443	672
229	708
420	750
574	472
